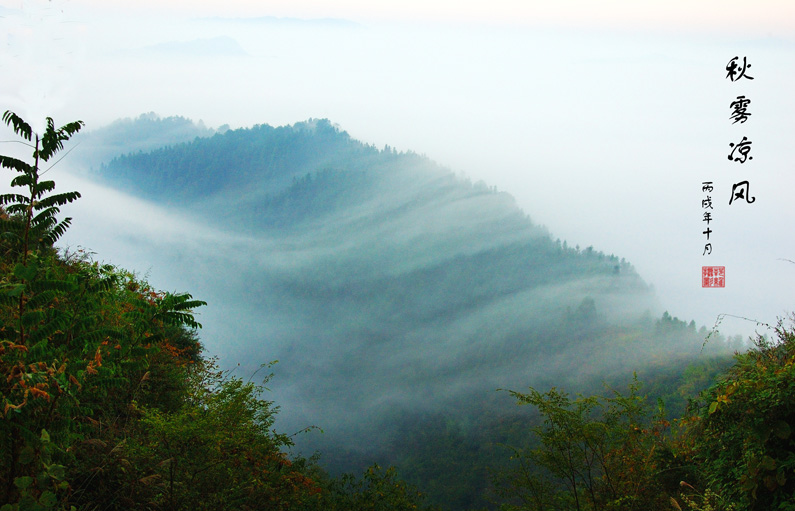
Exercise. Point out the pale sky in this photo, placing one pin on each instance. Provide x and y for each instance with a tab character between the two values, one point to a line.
602	120
774	18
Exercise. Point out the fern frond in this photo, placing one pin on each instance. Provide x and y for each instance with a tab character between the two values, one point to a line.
53	139
22	180
48	213
96	336
8	162
59	199
180	319
53	285
20	127
38	350
179	302
72	127
16	209
10	293
33	317
189	305
41	299
102	284
177	310
59	322
135	316
12	198
44	186
56	232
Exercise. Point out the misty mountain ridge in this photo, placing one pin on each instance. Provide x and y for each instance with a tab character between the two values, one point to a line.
144	133
368	213
389	288
394	234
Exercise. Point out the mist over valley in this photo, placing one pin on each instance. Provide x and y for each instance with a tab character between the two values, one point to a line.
396	295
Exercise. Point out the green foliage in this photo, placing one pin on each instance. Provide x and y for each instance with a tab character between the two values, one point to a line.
692	500
47	488
214	451
446	457
106	402
376	490
39	226
742	433
76	338
592	453
734	450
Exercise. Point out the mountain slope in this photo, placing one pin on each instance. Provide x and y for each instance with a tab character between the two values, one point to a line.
389	288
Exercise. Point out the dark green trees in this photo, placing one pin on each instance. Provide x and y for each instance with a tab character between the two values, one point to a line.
593	453
744	432
77	338
734	449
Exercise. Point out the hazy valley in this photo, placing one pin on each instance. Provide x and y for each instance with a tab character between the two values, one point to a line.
394	293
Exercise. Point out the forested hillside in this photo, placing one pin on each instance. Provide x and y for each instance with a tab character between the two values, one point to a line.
398	297
109	402
144	133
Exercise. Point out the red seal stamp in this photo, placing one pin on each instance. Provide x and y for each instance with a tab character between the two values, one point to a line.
713	276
